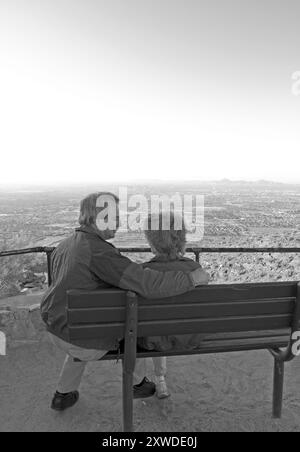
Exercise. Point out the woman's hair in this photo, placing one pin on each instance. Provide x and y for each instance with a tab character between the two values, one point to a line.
92	205
166	234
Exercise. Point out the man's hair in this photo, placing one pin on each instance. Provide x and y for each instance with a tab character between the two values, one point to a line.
168	241
88	207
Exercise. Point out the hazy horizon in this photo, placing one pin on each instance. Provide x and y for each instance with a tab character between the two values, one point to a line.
154	182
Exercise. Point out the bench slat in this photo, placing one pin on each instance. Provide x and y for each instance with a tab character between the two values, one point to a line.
167	327
229	293
212	309
223	293
215	325
184	311
90	299
217	346
285	332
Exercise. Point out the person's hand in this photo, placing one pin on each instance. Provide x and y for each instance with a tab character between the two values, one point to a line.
200	277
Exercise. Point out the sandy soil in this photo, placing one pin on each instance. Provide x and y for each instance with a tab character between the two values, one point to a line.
229	392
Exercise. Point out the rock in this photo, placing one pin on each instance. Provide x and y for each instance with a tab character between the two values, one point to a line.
21	321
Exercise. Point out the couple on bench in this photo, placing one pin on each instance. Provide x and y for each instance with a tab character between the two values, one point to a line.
87	261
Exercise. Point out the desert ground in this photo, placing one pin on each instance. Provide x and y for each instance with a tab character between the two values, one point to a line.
227	392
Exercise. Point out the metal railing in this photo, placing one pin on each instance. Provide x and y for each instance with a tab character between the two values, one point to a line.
193	250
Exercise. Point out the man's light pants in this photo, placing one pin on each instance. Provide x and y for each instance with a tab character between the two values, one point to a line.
72	371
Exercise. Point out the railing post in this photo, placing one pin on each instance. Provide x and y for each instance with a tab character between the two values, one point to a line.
48	253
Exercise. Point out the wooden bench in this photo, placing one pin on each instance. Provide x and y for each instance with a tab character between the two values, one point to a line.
237	317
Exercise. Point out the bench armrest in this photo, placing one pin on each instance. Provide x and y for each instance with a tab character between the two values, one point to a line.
288	354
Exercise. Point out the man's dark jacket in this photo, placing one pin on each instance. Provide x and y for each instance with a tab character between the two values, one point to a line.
85	261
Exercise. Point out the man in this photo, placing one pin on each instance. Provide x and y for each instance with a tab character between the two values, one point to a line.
87	261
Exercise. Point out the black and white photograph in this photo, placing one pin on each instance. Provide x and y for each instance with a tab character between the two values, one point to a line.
149	219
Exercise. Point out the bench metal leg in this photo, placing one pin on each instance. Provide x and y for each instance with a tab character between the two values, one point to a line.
127	400
129	360
278	388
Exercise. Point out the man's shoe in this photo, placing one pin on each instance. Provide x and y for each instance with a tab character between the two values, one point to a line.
61	402
144	389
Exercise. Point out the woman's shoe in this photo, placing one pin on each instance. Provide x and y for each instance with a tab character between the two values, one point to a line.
161	388
144	389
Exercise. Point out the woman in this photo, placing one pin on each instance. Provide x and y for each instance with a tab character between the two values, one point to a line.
166	235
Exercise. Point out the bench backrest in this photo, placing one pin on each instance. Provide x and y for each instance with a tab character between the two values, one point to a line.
207	309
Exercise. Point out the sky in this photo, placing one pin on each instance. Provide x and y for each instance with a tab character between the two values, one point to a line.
116	90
